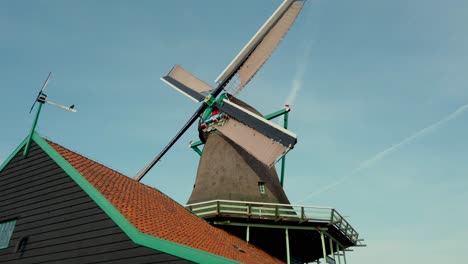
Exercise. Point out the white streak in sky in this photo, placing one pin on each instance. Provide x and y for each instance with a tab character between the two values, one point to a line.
298	80
379	156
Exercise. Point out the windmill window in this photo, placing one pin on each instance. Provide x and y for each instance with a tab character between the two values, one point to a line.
261	187
6	230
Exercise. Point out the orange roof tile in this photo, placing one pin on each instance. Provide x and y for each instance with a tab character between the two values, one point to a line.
155	214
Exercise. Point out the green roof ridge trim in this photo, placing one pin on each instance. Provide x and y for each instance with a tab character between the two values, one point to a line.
135	235
13	154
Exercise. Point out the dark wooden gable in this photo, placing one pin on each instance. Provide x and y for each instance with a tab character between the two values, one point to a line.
57	221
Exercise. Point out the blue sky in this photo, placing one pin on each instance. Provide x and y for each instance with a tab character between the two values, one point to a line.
374	88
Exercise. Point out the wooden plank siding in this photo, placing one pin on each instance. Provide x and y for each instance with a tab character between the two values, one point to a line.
62	223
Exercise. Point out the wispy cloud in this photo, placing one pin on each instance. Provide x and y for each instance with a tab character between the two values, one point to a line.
379	156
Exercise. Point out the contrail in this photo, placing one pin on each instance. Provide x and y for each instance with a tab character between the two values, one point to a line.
297	81
377	157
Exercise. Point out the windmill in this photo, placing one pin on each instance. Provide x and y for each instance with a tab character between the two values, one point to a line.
42	99
237	188
264	140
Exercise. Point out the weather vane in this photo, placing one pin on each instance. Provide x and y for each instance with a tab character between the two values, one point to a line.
42	98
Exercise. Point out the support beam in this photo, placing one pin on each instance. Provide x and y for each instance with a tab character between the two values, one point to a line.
248	234
288	256
331	248
324	249
197	150
283	159
195	145
344	256
338	253
277	113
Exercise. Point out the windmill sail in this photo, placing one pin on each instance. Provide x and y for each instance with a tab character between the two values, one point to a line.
237	74
260	47
258	145
186	83
261	138
269	129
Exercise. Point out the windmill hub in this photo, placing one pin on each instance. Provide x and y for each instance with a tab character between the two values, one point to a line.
42	98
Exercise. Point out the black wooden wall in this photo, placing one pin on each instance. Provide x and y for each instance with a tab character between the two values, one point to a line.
61	222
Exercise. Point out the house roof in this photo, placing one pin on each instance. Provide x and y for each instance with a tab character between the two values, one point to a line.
152	213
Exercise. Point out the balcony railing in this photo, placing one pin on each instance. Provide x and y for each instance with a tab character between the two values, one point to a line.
276	212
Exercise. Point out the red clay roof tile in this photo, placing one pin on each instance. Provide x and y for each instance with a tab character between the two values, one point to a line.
155	214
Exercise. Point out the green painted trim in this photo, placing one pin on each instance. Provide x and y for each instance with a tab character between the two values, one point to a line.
207	113
197	150
210	100
283	159
33	128
196	144
128	228
13	154
276	114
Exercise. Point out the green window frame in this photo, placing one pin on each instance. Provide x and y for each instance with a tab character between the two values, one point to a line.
6	231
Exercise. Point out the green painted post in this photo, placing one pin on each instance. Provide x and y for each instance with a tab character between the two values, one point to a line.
33	128
338	253
288	257
276	114
331	247
344	255
197	150
195	145
283	159
324	249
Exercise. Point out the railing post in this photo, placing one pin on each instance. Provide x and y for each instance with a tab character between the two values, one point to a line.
302	213
332	215
276	212
288	257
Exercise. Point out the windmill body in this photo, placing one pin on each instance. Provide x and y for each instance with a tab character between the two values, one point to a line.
228	172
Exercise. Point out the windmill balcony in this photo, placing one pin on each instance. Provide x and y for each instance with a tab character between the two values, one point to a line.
300	217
